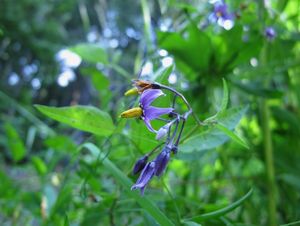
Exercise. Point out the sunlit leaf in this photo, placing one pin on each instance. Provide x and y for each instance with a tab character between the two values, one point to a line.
213	137
86	118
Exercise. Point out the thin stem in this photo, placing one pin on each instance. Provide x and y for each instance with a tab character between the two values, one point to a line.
179	135
175	131
155	149
268	148
184	100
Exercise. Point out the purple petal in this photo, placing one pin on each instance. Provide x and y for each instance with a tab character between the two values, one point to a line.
148	124
148	96
151	112
145	177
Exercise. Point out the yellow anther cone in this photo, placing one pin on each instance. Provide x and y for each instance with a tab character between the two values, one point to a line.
132	113
133	91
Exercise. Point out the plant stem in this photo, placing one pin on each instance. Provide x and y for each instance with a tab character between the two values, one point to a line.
268	149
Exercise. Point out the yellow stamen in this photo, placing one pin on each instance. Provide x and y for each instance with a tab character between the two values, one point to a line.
219	14
133	91
132	113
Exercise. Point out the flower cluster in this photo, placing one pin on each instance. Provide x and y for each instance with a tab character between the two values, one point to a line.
148	93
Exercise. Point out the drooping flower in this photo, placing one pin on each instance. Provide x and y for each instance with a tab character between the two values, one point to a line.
162	160
270	33
145	110
145	177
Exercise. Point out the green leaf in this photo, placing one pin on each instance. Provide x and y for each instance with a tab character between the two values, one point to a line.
231	117
191	223
99	80
14	142
191	51
223	104
42	127
256	89
162	74
223	211
232	135
225	97
86	118
91	53
213	137
122	179
66	223
39	165
209	139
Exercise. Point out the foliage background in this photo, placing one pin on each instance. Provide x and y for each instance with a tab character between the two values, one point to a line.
46	179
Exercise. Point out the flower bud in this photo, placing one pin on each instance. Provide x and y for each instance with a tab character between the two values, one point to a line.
163	130
140	164
161	133
132	113
161	161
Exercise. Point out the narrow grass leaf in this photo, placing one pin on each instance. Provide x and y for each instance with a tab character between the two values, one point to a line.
223	211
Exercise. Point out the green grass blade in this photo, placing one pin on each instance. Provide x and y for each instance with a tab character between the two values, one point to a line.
222	211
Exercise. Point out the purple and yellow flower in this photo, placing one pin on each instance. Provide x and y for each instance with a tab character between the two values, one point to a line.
221	15
145	111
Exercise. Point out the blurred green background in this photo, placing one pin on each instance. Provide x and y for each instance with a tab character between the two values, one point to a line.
68	53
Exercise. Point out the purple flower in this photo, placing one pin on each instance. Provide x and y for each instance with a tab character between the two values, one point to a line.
270	33
145	111
145	177
140	164
162	160
150	112
222	16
